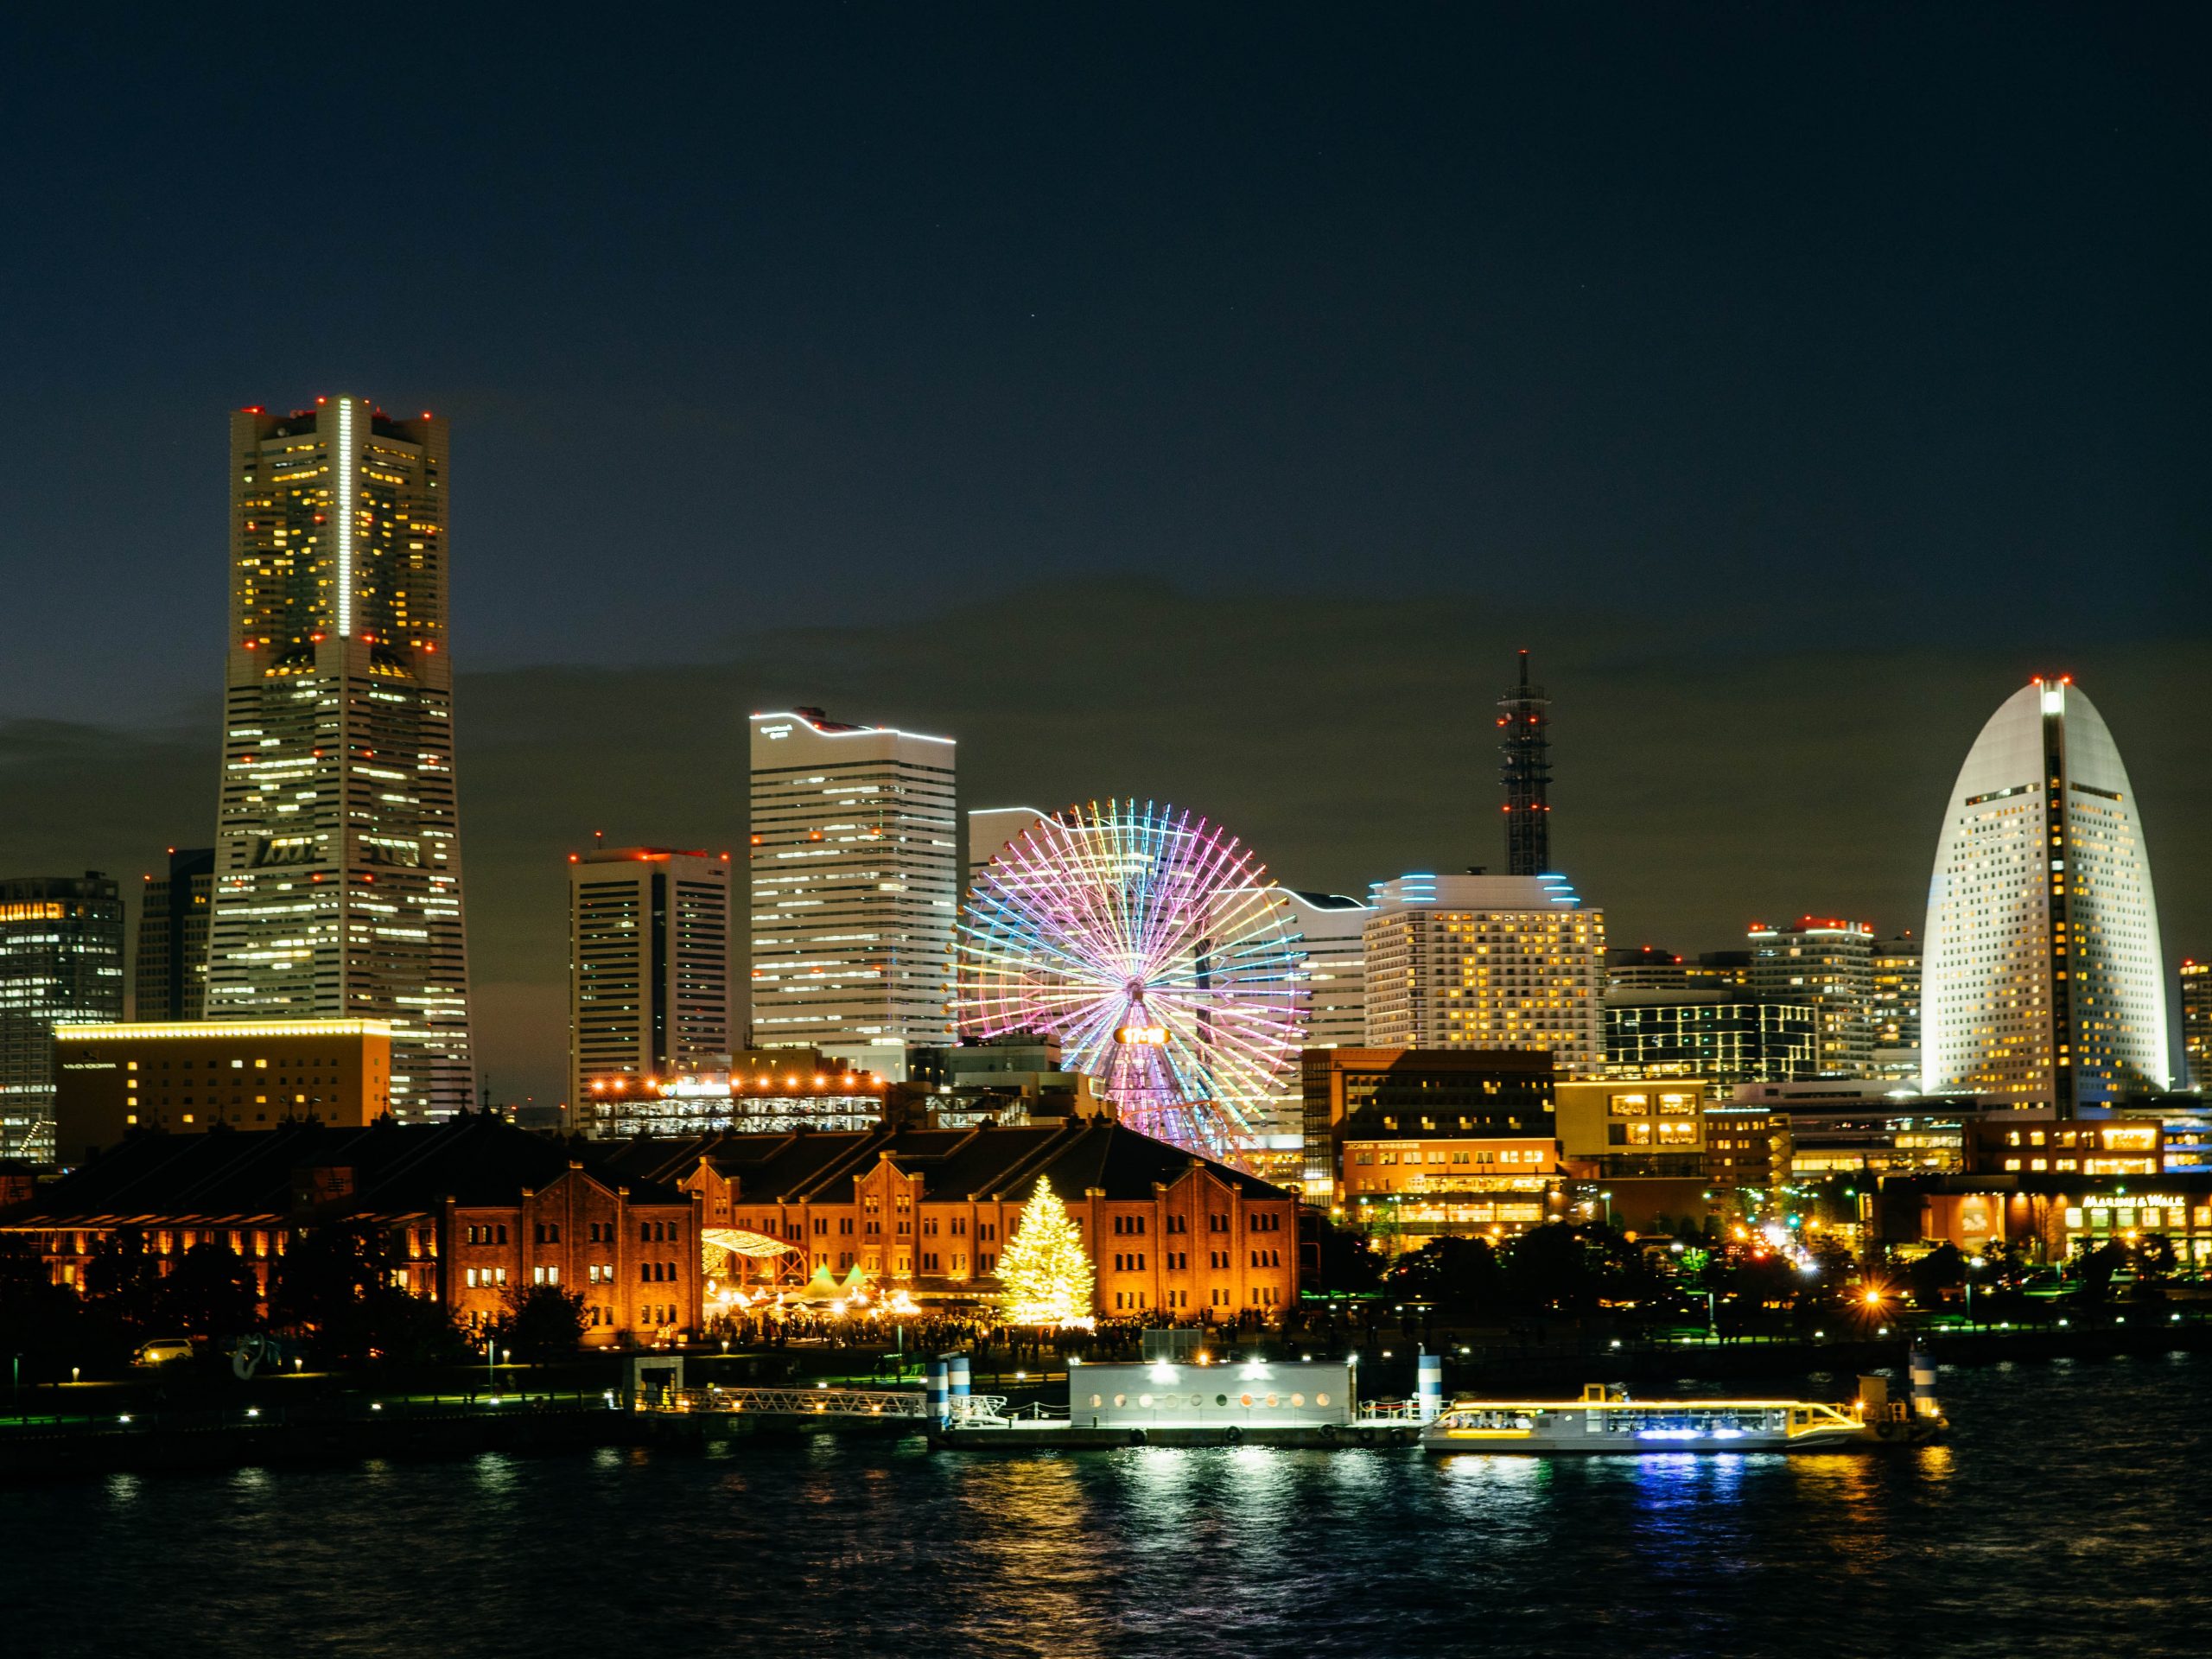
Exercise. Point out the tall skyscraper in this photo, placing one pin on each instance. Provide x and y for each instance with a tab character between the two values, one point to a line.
1828	963
1488	962
2196	1020
60	964
170	982
856	863
1332	931
1895	1009
1524	741
990	828
338	890
648	965
1333	928
2042	983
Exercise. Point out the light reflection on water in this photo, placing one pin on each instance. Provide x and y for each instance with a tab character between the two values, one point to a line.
2062	1517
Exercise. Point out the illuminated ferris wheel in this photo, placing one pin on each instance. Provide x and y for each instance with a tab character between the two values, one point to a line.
1153	946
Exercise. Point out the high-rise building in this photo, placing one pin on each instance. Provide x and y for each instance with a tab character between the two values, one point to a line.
1895	1009
2042	984
1332	928
1644	968
648	966
171	978
1725	1036
1524	743
1649	968
60	964
1487	961
856	867
338	890
1828	962
2196	1020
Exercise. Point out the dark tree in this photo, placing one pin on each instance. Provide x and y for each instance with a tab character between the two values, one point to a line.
337	1284
1461	1273
1345	1263
43	1322
2093	1269
542	1322
1550	1267
1942	1268
122	1282
211	1292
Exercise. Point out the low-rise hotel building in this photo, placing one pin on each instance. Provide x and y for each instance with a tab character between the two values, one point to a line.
1394	1093
188	1075
1634	1128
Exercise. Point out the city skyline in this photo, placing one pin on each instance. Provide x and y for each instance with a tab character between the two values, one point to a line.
1231	810
1617	815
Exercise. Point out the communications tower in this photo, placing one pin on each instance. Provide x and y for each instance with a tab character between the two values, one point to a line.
1525	769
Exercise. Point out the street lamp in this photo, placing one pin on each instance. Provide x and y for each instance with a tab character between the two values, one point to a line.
1608	1198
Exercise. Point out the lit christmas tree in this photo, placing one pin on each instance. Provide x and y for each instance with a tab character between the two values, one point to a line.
1045	1269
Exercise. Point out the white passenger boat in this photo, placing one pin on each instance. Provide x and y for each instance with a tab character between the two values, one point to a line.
1606	1419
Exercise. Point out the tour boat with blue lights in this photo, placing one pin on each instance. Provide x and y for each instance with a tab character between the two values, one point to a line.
1606	1419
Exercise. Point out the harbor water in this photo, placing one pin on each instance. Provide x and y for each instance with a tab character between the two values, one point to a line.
2067	1513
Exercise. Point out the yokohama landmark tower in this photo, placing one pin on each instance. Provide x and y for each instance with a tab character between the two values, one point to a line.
338	864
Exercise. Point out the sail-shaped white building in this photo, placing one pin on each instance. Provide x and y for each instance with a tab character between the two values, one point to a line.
2041	982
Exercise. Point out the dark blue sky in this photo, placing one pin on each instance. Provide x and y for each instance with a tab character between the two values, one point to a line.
1199	402
1740	320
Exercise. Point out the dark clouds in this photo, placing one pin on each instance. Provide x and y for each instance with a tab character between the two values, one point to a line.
1346	739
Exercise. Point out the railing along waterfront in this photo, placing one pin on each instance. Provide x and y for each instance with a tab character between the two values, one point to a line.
433	1408
823	1402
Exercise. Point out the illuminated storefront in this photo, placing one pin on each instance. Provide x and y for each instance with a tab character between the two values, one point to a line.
1406	1192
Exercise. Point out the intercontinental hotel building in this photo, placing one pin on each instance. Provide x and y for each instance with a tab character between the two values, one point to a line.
337	880
2042	983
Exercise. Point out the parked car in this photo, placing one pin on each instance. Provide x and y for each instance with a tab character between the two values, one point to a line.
162	1351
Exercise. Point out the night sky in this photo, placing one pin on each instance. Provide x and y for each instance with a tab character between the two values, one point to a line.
1201	402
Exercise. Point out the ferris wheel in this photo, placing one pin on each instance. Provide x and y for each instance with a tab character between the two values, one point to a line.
1151	945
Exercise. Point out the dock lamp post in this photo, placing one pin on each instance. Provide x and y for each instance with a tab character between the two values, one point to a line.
1712	1317
1973	1261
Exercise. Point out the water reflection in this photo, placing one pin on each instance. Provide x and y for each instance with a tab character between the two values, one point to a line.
495	1472
1042	1566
